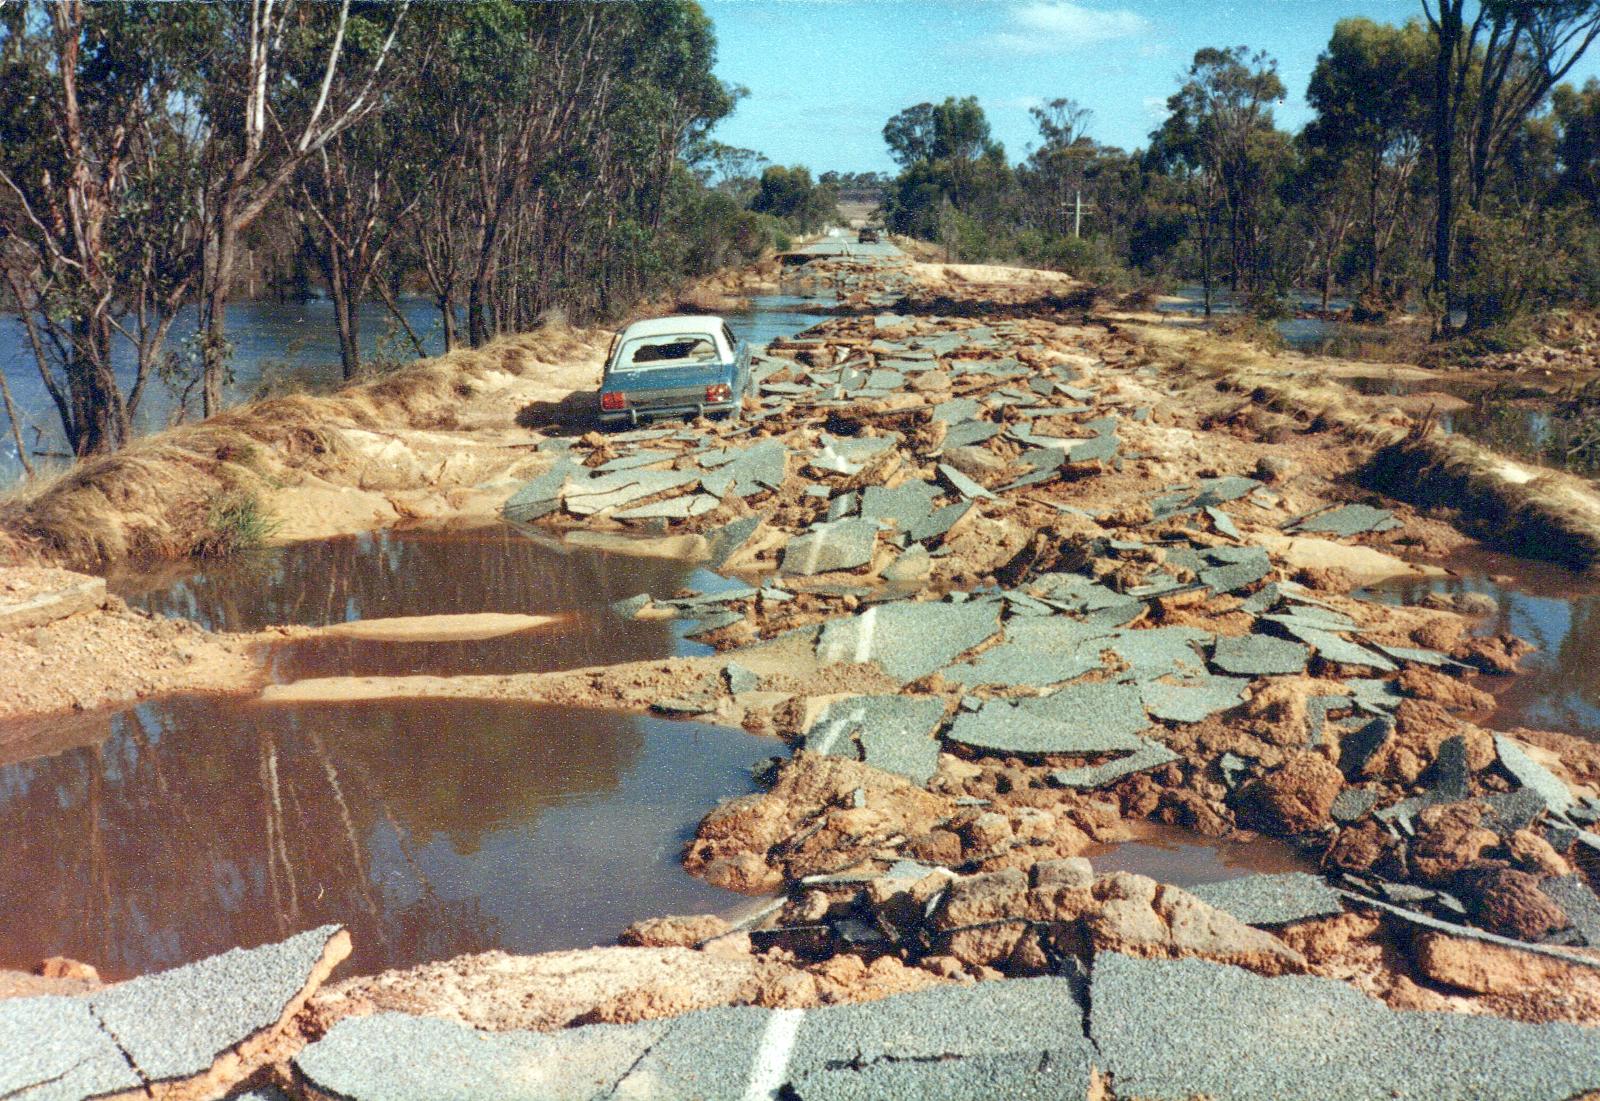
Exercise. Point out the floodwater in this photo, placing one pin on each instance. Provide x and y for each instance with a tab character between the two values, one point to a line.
1559	686
422	572
428	828
1183	858
170	831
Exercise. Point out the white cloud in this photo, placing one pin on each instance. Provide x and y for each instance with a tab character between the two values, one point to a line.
1058	26
1155	107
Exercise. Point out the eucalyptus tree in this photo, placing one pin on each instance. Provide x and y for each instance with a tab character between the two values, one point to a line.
1220	141
98	161
1370	90
1494	63
282	79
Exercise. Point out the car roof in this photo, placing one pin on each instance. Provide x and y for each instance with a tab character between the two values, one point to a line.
677	323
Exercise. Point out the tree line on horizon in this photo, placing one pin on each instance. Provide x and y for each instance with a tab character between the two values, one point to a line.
1446	168
504	159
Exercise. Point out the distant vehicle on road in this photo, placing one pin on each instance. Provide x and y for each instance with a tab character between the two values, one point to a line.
869	235
681	366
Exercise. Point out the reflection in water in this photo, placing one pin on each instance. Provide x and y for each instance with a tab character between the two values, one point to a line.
1559	686
1169	854
406	573
428	828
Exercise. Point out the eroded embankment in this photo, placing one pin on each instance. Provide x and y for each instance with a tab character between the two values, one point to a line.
408	445
1531	511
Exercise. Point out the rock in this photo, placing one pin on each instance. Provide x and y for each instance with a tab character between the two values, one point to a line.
1534	854
1069	872
61	967
1509	902
686	931
1295	798
987	832
1480	605
1449	839
1456	695
983	916
1274	468
1139	917
974	461
1359	848
1485	968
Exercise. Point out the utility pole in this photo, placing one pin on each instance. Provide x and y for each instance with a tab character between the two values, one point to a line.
1077	213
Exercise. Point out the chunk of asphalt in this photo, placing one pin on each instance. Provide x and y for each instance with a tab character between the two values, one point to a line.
632	606
1347	520
643	457
731	538
175	1024
1317	708
542	495
905	506
1159	651
1259	656
967	432
1098	450
395	1057
1089	777
1003	727
1262	600
1353	804
843	505
948	1023
1223	522
941	523
1425	921
908	639
612	490
894	733
1417	656
1335	649
957	410
1269	900
676	508
841	545
1024	1076
1532	775
716	1054
1171	1029
1191	701
1236	575
1578	902
1038	651
1447	776
1510	811
55	1050
739	679
962	484
759	468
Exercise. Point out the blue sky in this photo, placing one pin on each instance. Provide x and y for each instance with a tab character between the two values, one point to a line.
824	75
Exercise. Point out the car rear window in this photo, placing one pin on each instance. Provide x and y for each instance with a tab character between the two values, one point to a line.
661	351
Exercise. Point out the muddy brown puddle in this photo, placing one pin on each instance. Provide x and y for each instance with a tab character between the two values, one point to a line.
160	834
1559	686
422	572
429	828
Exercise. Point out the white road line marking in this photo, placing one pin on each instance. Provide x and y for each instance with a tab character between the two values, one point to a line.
865	634
772	1057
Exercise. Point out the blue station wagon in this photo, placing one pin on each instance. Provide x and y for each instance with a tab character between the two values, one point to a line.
684	366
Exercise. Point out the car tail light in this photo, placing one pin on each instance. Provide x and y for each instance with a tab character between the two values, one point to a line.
614	399
719	391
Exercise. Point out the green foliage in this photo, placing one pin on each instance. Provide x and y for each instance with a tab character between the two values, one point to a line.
790	194
234	522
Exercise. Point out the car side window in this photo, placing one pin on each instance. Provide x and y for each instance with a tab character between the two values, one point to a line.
733	341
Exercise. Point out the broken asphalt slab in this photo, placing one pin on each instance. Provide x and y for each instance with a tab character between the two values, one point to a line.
908	639
1177	1029
1268	900
894	733
177	1026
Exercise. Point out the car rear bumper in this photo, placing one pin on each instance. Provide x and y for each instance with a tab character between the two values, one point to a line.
687	410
